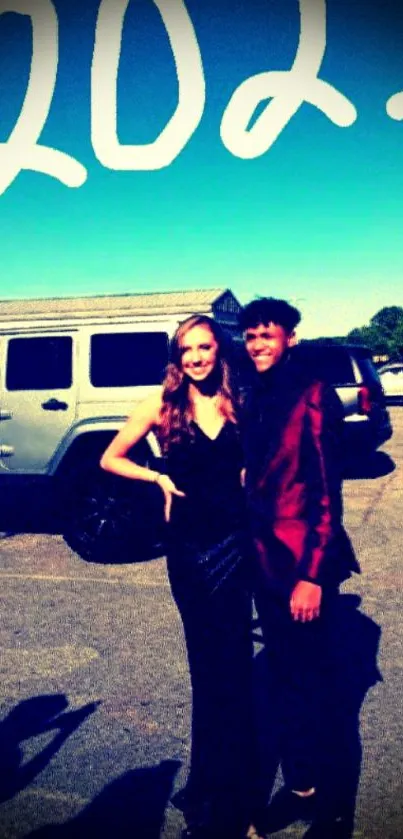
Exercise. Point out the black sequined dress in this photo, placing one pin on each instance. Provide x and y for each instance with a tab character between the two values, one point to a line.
209	569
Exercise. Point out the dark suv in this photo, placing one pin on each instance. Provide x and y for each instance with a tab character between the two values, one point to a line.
349	369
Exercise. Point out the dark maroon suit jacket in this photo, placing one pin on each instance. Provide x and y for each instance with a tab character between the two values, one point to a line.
292	442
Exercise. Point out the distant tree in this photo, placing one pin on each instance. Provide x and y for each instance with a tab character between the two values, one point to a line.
356	336
371	337
384	335
388	319
396	343
324	340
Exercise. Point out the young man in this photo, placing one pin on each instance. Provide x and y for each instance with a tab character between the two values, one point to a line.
291	428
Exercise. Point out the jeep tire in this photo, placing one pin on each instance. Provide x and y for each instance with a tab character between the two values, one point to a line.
107	518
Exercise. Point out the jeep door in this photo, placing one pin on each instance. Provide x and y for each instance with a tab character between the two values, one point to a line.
37	398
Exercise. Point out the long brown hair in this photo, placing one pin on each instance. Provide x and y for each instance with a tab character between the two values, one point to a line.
177	410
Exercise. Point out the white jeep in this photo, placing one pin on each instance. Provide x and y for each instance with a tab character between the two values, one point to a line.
71	370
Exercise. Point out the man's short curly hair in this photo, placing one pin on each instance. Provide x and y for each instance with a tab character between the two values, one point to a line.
265	310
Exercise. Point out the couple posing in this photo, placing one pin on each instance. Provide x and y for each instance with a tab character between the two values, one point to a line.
252	494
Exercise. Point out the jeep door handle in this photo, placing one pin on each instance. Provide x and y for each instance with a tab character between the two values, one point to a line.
54	405
5	414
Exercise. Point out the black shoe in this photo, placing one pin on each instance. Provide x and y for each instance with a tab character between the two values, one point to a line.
195	832
203	832
180	799
192	804
285	808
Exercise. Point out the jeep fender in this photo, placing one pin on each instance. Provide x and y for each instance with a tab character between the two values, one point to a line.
92	436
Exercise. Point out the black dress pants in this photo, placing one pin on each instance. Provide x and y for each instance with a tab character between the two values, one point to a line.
297	658
214	599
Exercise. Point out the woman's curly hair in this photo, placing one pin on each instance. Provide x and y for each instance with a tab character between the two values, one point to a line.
177	410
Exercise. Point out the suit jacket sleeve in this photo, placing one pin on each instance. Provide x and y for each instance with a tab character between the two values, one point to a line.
322	441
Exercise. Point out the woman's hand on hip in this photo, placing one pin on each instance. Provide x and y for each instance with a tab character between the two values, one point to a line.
169	489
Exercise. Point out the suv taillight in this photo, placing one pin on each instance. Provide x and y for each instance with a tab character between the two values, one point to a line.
364	400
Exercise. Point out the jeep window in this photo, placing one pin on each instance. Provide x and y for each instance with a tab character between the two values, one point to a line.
39	363
127	359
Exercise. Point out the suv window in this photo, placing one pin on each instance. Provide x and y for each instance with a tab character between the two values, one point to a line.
125	359
368	370
331	364
39	363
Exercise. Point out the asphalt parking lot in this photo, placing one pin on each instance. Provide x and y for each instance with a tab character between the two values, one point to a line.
94	692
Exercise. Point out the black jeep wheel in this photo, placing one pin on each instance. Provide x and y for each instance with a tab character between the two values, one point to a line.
113	520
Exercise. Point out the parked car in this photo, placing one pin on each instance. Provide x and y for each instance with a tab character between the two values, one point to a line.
71	371
350	370
391	376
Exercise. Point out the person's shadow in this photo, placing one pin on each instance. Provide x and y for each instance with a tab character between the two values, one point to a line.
351	669
376	464
131	806
31	718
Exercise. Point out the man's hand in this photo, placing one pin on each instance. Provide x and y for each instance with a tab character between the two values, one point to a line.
305	601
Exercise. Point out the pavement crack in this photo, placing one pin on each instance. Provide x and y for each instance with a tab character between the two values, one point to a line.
377	499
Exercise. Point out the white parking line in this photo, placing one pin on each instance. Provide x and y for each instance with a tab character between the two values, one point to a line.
108	580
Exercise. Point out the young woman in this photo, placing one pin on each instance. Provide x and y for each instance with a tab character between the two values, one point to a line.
195	419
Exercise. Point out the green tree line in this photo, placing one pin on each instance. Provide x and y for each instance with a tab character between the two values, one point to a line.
383	335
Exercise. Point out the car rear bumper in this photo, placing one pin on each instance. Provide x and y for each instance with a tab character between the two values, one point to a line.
394	398
362	433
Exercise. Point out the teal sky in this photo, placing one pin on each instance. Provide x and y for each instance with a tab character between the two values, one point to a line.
318	218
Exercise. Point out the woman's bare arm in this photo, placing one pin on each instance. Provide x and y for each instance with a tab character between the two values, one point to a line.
142	421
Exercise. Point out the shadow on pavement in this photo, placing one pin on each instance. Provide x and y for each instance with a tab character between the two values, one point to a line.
30	718
120	523
132	806
351	670
28	508
375	465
